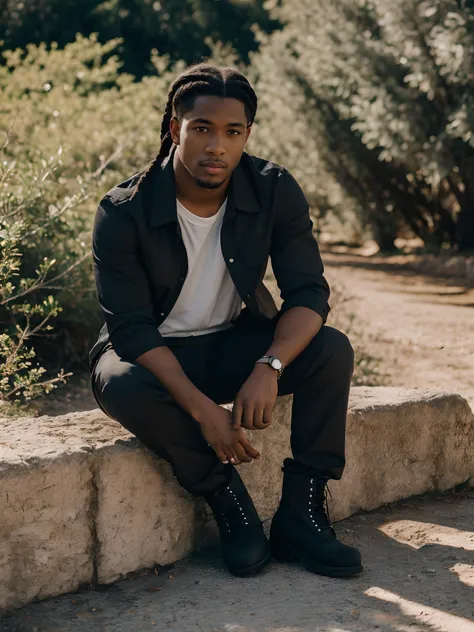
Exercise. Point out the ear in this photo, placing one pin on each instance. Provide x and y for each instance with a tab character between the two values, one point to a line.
175	129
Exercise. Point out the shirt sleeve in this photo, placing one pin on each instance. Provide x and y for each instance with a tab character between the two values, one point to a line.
122	284
294	252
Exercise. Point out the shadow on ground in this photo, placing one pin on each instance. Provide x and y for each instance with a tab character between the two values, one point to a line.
419	577
395	265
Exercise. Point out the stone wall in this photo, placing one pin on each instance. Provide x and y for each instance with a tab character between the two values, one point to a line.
83	502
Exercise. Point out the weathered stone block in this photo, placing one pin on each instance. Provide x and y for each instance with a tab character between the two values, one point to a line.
82	501
146	518
45	500
401	443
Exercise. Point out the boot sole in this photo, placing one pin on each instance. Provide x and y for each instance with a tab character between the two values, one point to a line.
290	555
253	570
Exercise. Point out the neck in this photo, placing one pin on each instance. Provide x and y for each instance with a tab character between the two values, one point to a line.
200	201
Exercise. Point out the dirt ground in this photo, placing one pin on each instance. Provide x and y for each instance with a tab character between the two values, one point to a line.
419	328
418	577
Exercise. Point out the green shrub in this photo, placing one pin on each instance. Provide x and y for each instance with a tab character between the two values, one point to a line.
74	126
372	103
30	213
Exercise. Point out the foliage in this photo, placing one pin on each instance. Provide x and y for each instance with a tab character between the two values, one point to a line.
77	99
27	216
179	28
73	127
372	102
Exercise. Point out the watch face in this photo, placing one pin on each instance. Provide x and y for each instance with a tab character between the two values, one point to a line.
276	364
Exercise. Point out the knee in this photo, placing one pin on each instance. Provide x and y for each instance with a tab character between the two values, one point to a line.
340	347
115	394
335	347
124	392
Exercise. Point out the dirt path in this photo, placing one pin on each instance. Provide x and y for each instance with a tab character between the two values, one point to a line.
421	328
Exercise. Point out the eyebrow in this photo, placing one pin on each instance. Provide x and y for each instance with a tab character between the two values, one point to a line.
203	121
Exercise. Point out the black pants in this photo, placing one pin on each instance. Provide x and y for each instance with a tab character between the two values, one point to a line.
218	364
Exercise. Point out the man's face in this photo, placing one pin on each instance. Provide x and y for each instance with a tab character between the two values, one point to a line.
211	138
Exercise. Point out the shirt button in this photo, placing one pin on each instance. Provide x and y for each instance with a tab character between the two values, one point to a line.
231	261
162	314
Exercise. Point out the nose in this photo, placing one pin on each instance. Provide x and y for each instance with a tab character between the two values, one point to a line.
215	145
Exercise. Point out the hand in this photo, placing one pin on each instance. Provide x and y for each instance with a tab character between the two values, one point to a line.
243	450
231	446
254	403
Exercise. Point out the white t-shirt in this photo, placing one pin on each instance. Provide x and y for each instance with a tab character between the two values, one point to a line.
208	300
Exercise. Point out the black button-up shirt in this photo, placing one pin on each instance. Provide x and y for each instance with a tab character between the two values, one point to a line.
140	260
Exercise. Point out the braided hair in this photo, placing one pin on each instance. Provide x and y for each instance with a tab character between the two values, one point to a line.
200	80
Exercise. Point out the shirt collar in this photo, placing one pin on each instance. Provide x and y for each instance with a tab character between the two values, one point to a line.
242	190
242	195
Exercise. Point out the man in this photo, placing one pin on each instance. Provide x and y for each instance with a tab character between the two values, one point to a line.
177	250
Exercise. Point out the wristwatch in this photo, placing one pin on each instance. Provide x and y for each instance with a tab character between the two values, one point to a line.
274	362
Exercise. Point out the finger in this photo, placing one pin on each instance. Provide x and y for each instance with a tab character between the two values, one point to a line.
229	453
241	454
249	449
247	420
267	416
237	411
258	418
221	456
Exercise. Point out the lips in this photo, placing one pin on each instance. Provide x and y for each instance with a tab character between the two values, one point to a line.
214	170
213	167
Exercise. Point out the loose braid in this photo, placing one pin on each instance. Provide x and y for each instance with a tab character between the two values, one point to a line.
200	80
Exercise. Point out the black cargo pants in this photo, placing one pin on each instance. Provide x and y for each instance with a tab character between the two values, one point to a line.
218	364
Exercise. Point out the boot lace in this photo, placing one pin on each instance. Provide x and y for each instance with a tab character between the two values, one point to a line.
238	512
318	504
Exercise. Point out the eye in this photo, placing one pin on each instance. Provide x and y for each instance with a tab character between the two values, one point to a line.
234	132
201	129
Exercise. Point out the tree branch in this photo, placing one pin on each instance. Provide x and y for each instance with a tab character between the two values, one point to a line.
46	286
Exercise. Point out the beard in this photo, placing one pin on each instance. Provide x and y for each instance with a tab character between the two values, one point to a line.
209	184
206	184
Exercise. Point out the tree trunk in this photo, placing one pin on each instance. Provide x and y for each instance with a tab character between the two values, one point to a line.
384	231
465	230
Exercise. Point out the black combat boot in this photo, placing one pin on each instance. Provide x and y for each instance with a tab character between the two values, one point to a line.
301	530
245	548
